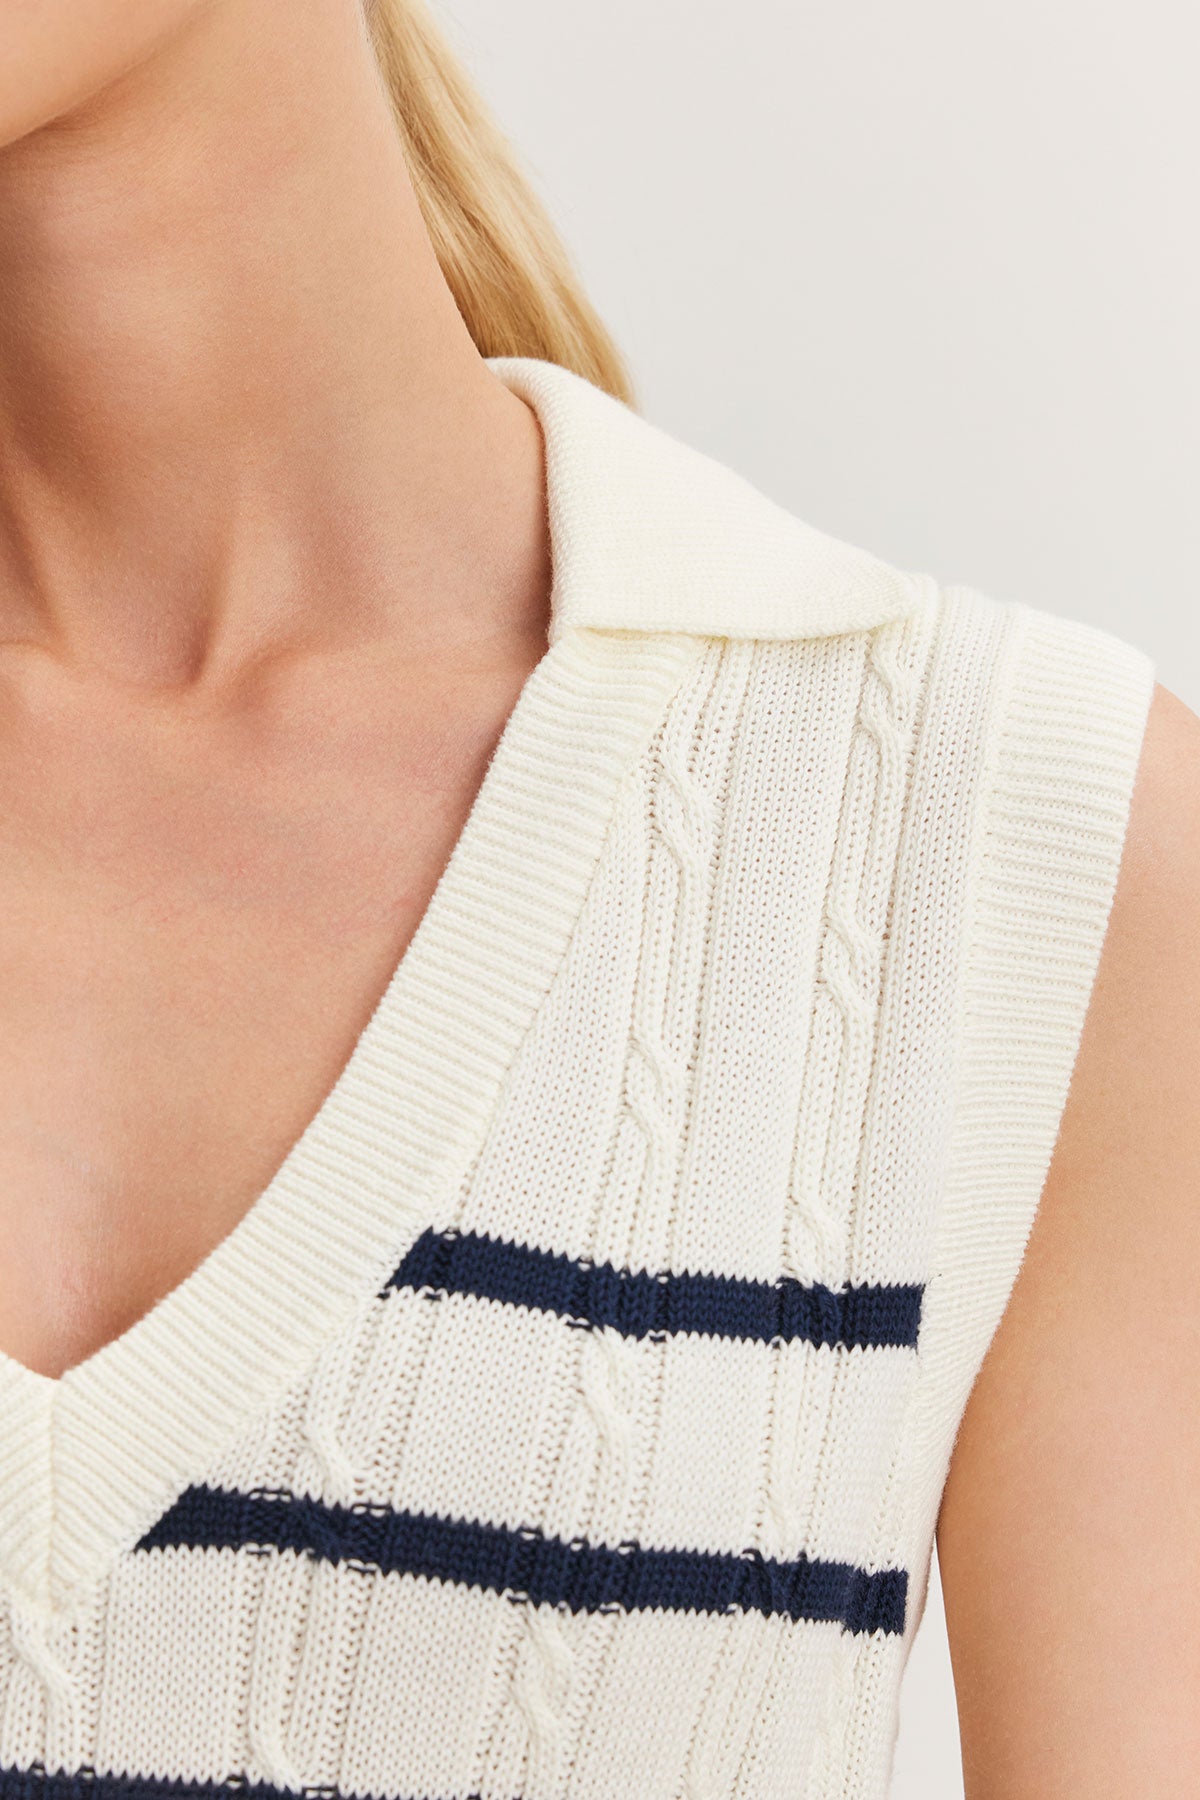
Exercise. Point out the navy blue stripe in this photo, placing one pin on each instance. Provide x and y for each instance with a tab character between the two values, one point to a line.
35	1783
643	1305
526	1564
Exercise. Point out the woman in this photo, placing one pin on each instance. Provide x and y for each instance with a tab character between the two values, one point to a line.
541	991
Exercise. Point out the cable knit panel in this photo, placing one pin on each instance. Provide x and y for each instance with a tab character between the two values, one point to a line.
611	1471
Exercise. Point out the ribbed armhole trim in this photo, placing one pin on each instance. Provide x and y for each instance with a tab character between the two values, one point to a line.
1065	741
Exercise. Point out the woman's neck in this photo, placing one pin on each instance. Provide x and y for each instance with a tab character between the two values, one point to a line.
240	413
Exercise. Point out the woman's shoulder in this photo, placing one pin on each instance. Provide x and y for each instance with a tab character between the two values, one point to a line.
1068	1536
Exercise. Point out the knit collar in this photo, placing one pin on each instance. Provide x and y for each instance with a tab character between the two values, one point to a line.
653	535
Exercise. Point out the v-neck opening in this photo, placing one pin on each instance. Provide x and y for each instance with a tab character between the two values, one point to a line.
300	1158
89	1459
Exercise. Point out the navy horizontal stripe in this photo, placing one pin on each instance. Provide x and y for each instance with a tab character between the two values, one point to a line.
526	1564
38	1783
643	1305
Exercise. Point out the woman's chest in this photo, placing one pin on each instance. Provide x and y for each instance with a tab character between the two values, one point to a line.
176	1005
155	1073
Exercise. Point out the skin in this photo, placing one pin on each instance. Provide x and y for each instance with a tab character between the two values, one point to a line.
1069	1534
274	566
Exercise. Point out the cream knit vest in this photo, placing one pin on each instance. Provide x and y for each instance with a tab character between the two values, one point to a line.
570	1415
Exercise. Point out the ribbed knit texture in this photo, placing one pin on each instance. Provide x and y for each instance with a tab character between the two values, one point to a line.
571	1414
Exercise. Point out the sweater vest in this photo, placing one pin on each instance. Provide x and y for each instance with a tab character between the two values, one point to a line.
568	1419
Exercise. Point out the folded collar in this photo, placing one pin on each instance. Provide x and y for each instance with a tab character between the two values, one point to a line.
650	534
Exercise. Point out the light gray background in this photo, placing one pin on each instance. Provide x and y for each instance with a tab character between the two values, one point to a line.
929	276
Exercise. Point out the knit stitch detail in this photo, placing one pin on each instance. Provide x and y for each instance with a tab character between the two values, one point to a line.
620	1477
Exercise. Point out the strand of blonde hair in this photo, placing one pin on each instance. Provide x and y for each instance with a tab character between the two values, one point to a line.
510	273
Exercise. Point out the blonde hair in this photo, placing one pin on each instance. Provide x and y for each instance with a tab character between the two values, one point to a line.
509	271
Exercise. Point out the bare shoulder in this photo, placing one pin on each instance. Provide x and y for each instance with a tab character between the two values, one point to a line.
1069	1533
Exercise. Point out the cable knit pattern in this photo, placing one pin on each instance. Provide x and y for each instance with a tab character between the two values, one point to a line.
568	1419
